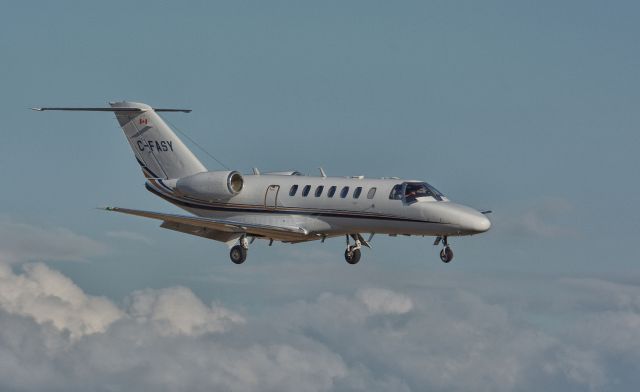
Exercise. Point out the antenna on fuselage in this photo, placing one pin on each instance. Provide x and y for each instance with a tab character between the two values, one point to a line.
322	173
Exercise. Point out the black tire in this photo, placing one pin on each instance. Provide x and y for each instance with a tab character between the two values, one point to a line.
238	254
352	257
446	254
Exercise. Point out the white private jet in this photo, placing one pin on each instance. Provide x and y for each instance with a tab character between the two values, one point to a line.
281	206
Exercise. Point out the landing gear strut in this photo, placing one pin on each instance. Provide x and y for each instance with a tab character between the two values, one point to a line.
446	254
238	253
352	253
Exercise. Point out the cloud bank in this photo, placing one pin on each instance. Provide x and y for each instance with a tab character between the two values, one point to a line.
20	242
54	336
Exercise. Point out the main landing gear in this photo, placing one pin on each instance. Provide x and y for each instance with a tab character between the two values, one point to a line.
446	254
352	253
238	253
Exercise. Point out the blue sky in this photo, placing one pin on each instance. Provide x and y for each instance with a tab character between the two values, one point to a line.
528	109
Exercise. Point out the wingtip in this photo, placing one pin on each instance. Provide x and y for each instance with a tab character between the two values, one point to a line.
37	109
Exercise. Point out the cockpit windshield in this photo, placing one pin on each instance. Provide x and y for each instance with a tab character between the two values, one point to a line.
411	191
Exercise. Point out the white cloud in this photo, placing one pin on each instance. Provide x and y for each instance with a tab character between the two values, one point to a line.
578	366
47	296
162	339
381	301
177	310
50	297
604	295
54	336
455	342
20	242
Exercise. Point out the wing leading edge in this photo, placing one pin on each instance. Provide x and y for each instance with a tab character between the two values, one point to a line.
218	229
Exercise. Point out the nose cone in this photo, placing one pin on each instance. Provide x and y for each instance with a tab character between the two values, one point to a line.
466	220
479	223
472	221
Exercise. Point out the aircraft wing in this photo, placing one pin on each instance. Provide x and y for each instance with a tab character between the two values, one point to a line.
217	228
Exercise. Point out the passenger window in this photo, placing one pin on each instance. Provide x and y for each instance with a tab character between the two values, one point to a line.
357	192
332	191
372	192
293	190
305	190
344	192
319	190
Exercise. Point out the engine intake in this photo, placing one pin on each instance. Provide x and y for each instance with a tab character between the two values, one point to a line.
216	185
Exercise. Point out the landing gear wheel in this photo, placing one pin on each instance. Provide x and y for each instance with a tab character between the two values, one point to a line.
446	254
352	256
238	254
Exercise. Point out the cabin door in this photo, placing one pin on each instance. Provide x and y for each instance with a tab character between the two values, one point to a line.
271	197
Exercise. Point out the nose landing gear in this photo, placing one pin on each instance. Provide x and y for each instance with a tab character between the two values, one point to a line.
446	254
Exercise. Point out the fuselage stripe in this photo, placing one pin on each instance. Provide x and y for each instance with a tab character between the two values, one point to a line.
194	201
315	212
151	174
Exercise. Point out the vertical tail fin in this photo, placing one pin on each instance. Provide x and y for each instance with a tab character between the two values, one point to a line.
158	150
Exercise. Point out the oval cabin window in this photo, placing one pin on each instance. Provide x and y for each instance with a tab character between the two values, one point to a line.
371	193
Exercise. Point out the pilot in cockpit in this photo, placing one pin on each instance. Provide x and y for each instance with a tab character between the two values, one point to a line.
411	193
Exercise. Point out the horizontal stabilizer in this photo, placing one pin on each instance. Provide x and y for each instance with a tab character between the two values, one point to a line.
157	149
116	109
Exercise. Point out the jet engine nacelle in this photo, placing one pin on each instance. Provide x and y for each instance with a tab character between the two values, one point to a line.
215	185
